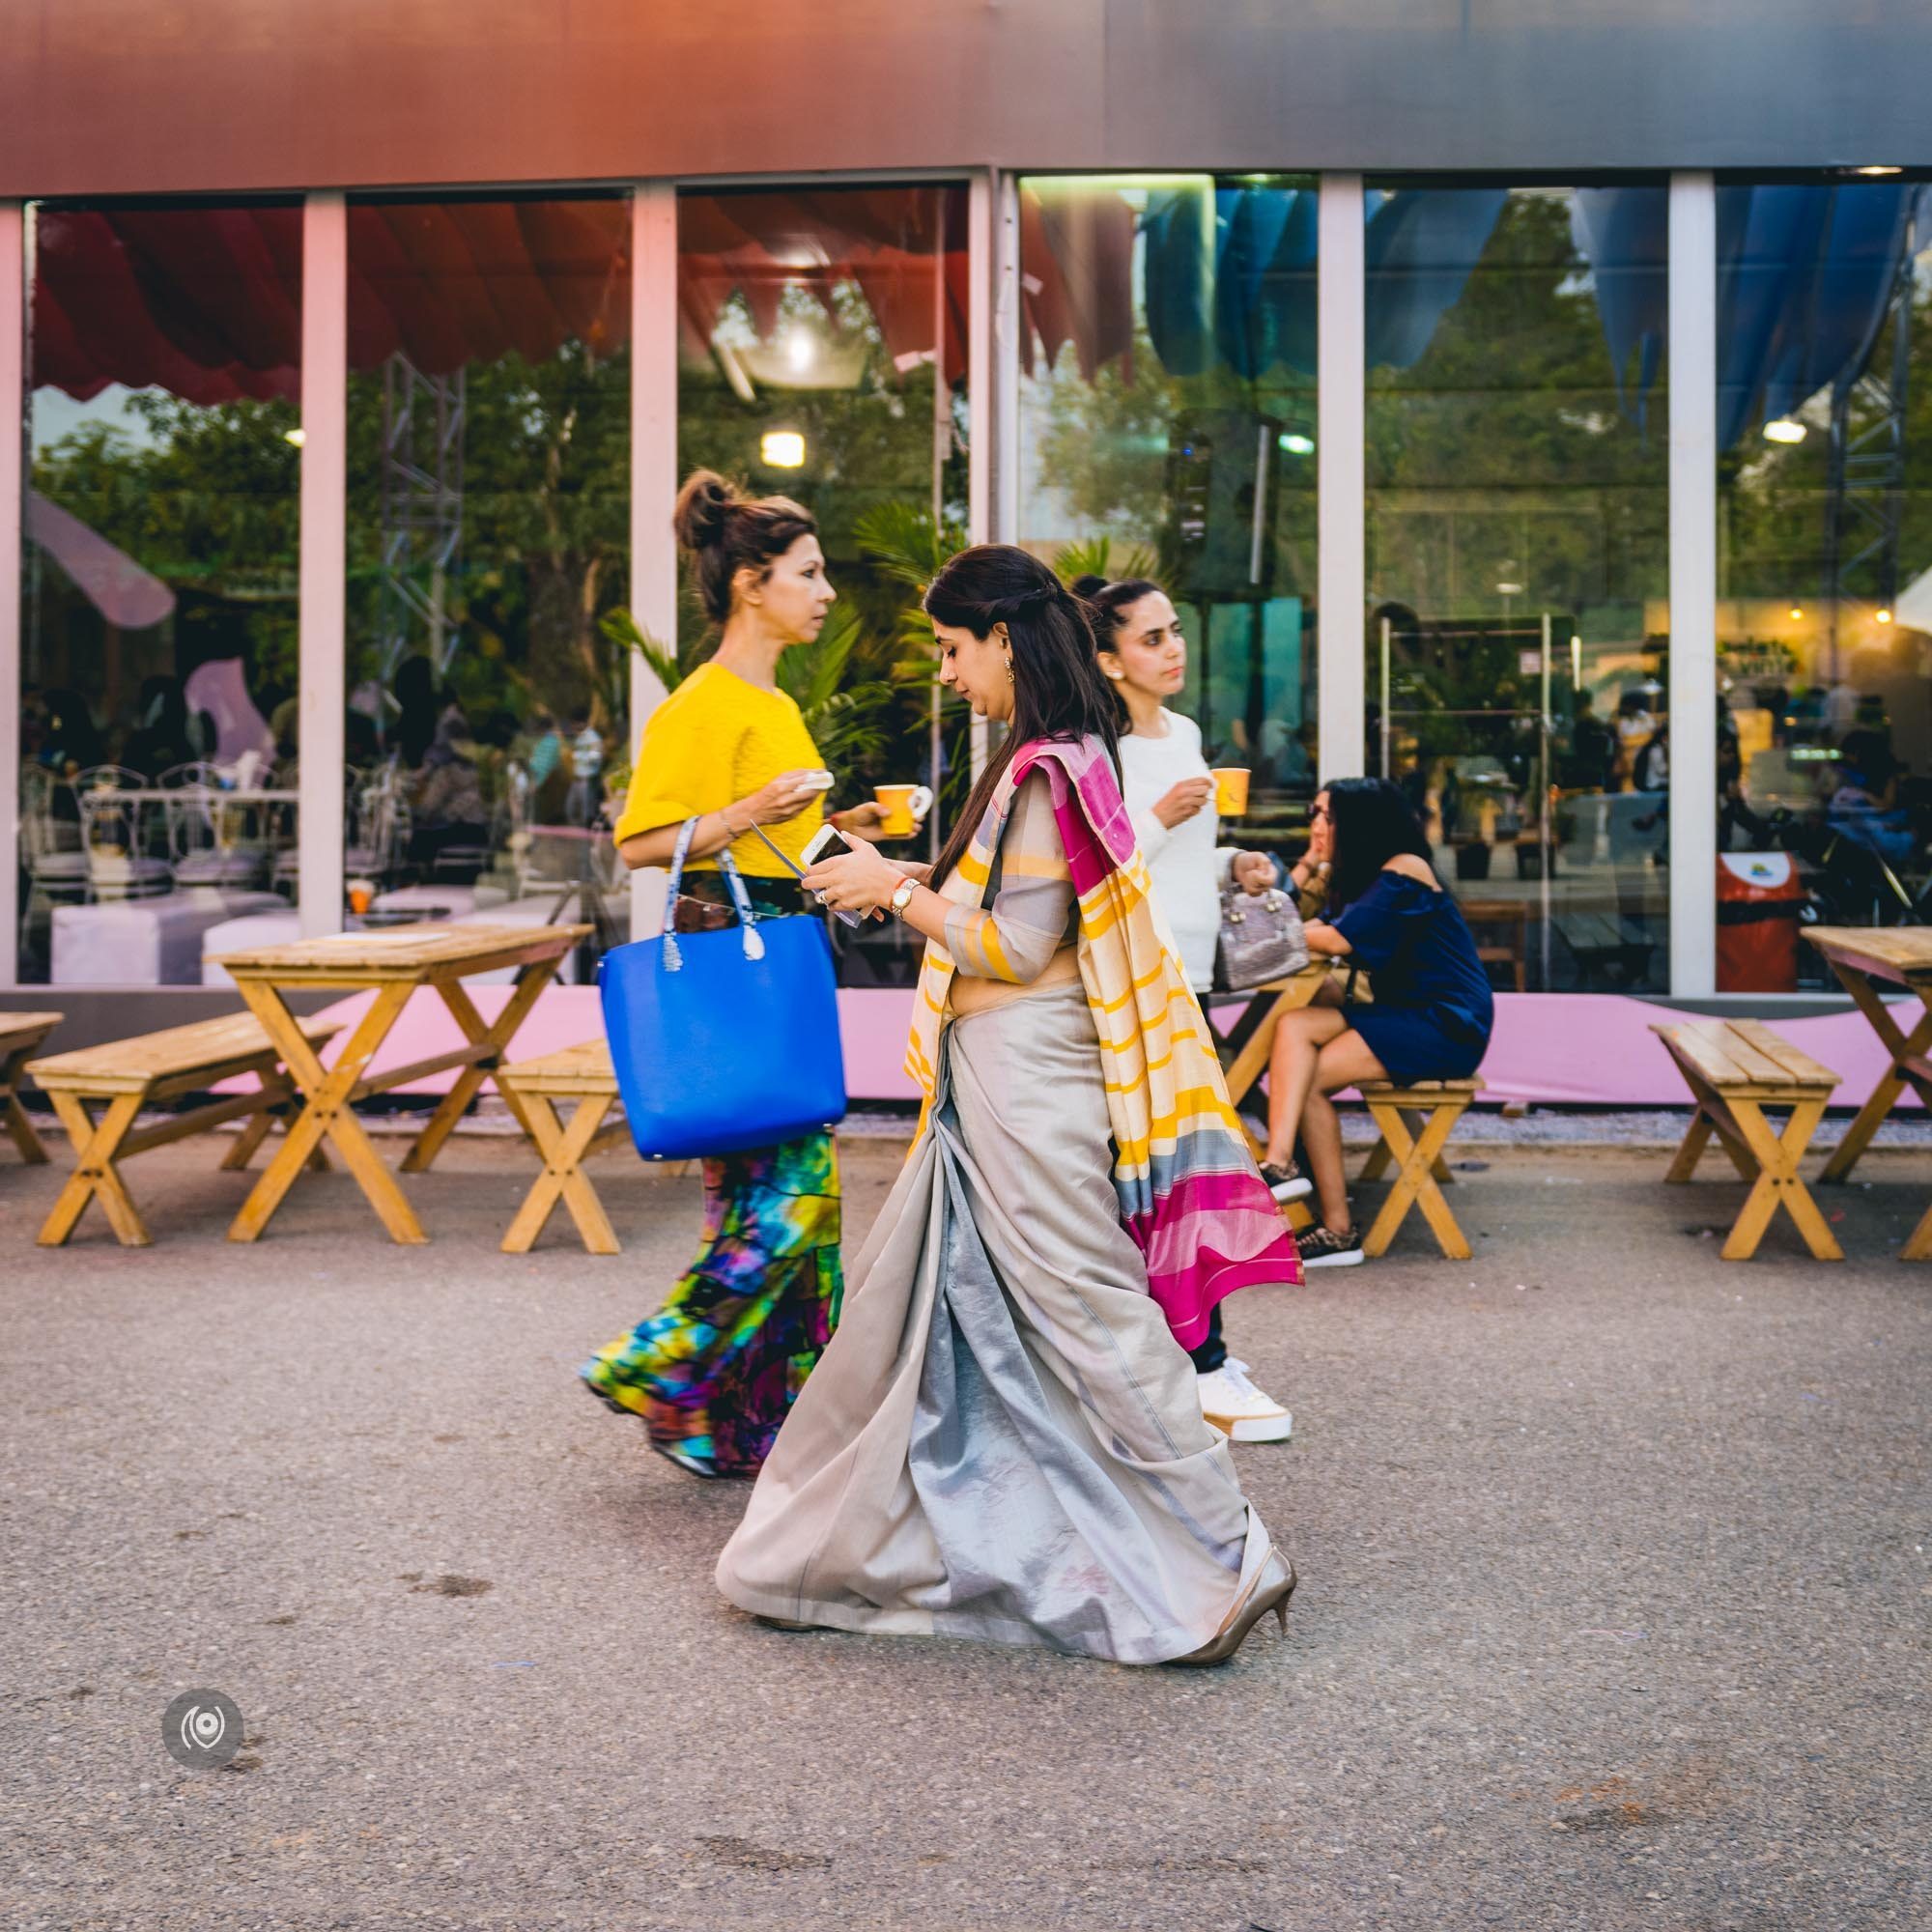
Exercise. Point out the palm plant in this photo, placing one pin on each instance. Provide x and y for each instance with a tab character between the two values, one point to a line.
1092	556
849	723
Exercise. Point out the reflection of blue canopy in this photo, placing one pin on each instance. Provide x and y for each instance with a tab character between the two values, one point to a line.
1231	273
1422	246
1804	277
1624	234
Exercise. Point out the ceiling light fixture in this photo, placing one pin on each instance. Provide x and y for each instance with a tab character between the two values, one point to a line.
1877	170
781	449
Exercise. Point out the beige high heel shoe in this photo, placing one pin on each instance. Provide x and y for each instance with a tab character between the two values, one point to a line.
1273	1586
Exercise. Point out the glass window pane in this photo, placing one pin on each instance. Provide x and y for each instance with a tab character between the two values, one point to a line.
1824	571
1167	433
823	357
158	658
1518	563
489	548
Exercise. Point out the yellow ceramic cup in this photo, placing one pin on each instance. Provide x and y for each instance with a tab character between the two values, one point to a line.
1231	790
904	806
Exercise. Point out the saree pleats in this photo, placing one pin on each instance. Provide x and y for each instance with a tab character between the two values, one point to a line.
1002	1439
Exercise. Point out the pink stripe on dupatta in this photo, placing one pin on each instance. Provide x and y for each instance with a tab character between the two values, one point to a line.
1216	1228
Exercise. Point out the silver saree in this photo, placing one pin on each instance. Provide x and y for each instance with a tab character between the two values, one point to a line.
1002	1439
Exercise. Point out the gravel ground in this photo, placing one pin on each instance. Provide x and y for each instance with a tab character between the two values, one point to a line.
1614	1606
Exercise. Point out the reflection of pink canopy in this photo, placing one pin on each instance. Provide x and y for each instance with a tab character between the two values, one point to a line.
206	302
127	596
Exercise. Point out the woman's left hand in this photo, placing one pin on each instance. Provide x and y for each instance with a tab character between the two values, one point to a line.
1254	872
854	881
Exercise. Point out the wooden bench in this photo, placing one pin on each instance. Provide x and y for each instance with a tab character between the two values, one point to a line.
1599	943
1416	1122
1510	919
1735	1069
582	1073
126	1075
19	1035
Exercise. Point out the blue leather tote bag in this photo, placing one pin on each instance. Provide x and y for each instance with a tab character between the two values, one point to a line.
724	1041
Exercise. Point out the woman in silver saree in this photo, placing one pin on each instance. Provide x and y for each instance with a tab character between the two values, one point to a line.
1004	1439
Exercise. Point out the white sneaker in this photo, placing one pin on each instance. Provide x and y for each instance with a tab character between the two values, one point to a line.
1238	1410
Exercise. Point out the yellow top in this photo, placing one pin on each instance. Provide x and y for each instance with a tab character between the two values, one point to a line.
717	739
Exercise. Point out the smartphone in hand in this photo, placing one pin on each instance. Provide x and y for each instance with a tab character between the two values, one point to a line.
814	852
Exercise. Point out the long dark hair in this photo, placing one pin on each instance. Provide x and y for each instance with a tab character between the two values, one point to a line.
1058	689
1369	823
726	532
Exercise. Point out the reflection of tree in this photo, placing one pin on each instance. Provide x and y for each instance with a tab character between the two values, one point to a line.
1772	496
545	533
1504	454
868	481
1105	448
205	499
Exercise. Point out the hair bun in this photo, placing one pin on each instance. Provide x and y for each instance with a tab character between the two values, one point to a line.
1088	587
703	505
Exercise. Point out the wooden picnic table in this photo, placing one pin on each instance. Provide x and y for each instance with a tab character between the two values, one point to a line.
1864	959
394	963
1246	1046
20	1036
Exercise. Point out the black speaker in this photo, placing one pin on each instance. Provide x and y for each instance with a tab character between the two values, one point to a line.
1221	464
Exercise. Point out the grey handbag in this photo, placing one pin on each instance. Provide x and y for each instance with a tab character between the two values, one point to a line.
1261	938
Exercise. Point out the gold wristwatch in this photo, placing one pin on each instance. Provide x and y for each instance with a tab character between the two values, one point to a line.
902	897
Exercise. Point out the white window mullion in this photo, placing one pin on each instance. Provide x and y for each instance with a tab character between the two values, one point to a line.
654	475
12	536
1341	503
324	561
1693	585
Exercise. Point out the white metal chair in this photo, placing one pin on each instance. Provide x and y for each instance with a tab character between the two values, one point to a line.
379	823
211	842
116	834
51	852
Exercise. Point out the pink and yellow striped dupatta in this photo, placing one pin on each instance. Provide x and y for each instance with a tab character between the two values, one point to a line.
1188	1189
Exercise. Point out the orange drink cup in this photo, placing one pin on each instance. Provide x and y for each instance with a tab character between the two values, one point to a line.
1231	790
904	806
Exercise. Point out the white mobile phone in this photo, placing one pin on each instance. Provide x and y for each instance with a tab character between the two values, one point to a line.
816	846
820	838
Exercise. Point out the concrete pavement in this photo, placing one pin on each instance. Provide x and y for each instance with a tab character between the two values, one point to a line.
1615	1602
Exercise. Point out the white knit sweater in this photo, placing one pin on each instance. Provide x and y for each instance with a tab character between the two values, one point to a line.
1186	866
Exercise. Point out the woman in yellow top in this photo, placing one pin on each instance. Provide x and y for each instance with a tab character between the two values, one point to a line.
714	1371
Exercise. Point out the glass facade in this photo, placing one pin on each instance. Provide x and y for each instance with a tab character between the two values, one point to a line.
823	357
1515	625
1518	563
489	491
159	654
1823	569
1167	432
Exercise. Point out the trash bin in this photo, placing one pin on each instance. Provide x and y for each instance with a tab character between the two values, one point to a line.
1760	899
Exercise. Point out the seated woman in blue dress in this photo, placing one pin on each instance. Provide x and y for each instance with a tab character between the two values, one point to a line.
1432	1012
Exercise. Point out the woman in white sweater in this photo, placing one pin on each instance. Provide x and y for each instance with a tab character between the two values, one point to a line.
1170	793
